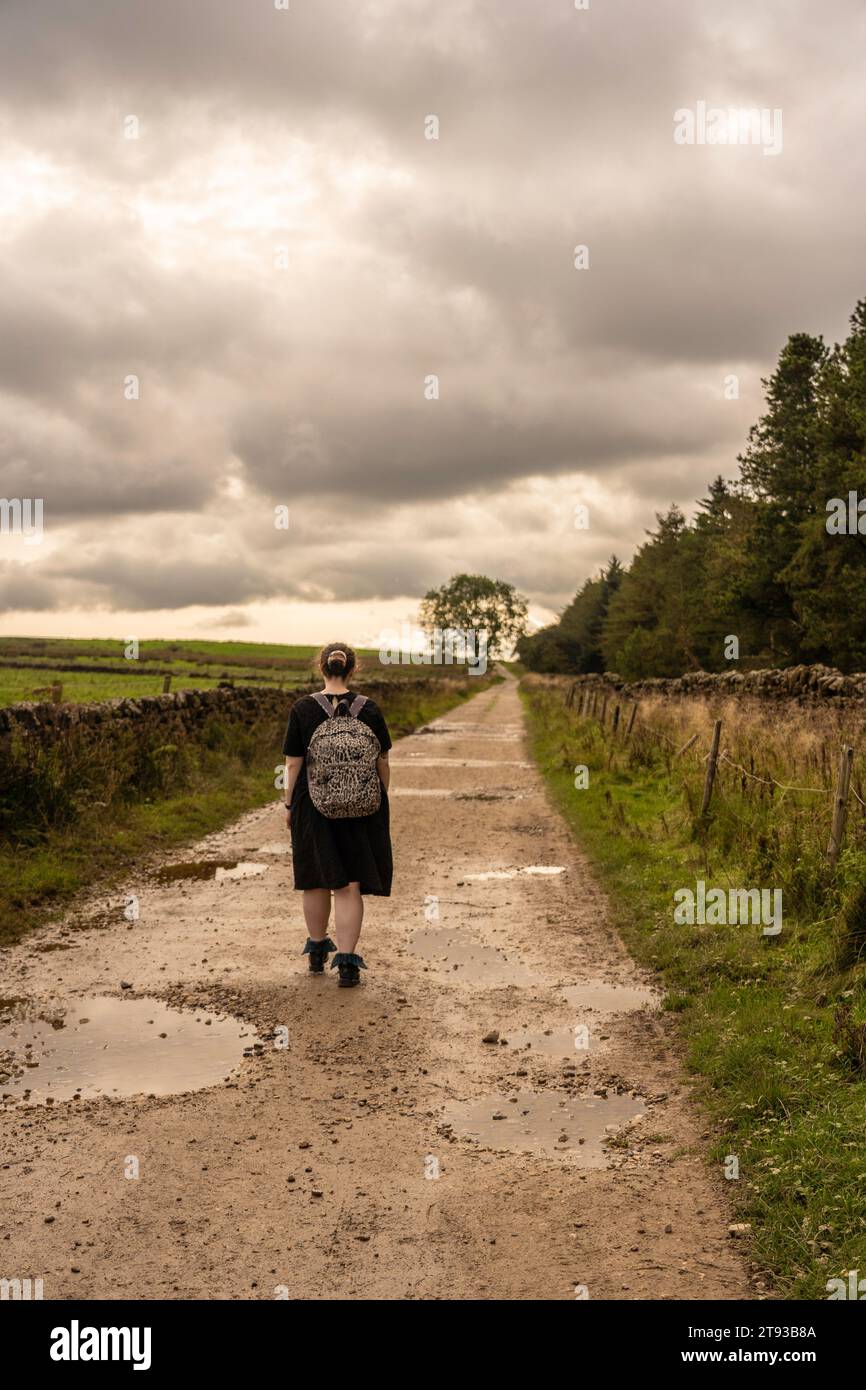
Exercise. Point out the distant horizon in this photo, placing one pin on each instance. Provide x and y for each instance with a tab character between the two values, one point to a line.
331	626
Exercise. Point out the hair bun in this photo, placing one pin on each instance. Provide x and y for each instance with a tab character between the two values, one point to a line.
337	659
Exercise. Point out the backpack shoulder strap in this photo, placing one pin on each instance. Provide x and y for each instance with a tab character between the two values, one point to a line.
357	705
324	703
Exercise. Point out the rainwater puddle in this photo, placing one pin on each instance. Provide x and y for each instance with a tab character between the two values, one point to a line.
455	796
417	760
467	960
240	871
545	1123
465	730
419	791
537	870
119	1047
553	1042
598	997
488	796
217	869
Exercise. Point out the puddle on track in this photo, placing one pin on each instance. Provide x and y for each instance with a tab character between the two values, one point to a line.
598	997
418	760
120	1047
217	869
457	729
553	1042
487	796
534	870
419	791
545	1123
465	959
454	796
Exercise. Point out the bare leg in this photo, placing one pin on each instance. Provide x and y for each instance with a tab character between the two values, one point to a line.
317	910
348	916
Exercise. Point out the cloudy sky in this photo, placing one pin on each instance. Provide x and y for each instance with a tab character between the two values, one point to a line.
240	207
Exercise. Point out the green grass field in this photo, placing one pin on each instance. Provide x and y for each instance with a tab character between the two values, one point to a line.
31	666
780	1070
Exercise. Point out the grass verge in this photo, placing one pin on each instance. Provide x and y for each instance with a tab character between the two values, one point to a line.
772	1026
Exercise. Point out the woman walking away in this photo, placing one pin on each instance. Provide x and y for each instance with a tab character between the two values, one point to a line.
337	776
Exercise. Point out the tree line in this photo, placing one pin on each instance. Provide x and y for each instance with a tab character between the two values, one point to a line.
775	558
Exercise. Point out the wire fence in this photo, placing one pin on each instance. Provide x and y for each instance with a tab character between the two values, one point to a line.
595	702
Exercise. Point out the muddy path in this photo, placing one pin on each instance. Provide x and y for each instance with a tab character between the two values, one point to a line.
360	1143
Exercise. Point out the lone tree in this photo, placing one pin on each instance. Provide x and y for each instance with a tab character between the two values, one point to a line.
474	603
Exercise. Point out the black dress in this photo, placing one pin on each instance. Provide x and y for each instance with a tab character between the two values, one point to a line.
333	853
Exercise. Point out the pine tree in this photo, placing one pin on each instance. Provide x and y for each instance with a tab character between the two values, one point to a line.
779	474
827	573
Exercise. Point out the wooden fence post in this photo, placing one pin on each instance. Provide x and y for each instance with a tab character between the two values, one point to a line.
840	804
57	692
615	724
711	767
166	684
631	719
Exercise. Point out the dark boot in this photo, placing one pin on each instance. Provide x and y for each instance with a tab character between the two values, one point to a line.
318	953
348	964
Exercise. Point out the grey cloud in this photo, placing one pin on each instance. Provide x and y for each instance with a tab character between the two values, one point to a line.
451	257
236	618
140	581
146	580
23	589
442	449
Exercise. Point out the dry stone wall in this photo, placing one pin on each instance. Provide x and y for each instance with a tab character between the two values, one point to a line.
183	710
800	683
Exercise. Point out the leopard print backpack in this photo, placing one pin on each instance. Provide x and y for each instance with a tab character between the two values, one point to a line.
341	763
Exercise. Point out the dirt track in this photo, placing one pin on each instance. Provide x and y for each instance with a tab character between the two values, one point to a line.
313	1170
